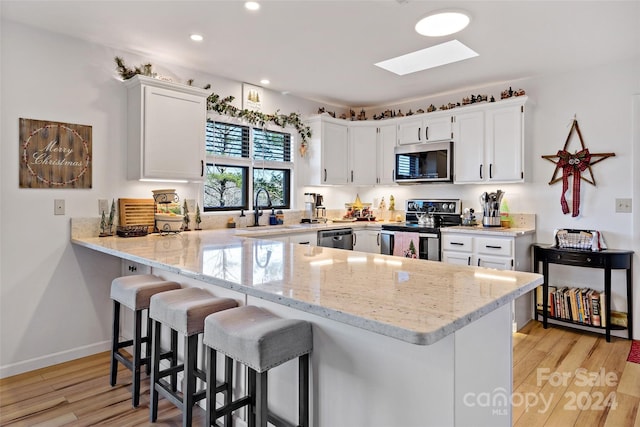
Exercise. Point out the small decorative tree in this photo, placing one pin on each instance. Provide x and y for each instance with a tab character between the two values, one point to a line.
185	212
112	215
198	219
103	225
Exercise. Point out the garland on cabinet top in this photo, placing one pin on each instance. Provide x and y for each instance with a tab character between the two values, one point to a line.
389	114
223	105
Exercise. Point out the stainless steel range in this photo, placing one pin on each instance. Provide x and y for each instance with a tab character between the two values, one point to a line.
419	236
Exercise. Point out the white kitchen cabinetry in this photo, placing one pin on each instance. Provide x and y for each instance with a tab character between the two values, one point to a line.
310	238
386	158
362	154
499	252
489	143
166	130
327	156
367	241
425	129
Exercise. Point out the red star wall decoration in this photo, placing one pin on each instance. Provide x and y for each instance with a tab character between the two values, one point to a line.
574	164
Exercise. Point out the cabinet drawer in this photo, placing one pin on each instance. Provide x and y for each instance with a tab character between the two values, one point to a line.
494	246
457	243
587	259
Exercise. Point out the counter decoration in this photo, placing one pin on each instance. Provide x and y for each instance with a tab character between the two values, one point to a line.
198	219
574	165
185	212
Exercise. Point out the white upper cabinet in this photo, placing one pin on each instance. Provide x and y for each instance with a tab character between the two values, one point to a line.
327	157
423	128
166	130
489	143
386	143
468	147
362	154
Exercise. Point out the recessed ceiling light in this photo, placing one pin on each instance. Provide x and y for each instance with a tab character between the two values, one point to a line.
265	81
196	37
252	5
431	57
442	23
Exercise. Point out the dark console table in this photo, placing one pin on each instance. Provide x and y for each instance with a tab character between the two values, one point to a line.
609	259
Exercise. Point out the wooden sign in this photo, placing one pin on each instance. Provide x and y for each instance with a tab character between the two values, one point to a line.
54	155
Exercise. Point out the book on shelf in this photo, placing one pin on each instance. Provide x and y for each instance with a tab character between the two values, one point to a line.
595	308
580	305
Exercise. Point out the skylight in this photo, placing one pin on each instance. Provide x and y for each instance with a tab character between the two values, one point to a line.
431	57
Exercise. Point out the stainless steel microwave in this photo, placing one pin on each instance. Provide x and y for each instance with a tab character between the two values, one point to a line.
424	162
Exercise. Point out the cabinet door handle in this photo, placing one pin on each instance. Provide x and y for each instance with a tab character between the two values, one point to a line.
201	168
492	247
351	176
426	133
378	239
325	175
354	239
419	129
393	175
457	243
304	243
468	260
478	262
490	170
480	171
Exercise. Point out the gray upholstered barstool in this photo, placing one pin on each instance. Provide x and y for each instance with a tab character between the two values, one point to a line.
183	311
259	340
134	292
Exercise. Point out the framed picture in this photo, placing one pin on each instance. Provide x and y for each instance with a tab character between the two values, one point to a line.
252	97
54	154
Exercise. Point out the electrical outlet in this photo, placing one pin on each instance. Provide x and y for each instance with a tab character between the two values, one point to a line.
623	205
103	206
58	207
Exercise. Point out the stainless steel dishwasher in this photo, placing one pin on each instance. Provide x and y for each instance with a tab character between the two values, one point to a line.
341	238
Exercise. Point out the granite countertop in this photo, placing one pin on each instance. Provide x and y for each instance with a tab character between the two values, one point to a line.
489	231
416	301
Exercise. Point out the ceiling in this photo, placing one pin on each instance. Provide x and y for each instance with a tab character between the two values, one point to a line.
325	50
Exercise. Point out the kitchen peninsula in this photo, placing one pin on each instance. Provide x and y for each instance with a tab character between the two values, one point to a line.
397	342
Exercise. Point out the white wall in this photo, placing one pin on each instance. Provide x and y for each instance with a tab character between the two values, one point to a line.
54	298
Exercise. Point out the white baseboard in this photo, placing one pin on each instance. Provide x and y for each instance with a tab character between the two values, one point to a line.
53	359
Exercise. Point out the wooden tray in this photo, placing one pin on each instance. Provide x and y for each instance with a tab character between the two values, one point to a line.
137	212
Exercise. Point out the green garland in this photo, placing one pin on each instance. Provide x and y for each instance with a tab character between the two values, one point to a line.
223	106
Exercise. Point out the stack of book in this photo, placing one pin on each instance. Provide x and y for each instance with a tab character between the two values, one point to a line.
579	305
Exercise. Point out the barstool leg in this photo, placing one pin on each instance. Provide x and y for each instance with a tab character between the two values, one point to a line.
137	336
189	379
303	391
155	372
261	399
228	378
148	351
211	387
251	389
174	359
114	342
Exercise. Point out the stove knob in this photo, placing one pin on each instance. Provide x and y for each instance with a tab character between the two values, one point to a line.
444	207
452	207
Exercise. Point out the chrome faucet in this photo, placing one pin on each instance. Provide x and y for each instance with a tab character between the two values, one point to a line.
257	213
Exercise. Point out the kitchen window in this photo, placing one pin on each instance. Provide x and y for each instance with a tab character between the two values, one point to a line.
241	160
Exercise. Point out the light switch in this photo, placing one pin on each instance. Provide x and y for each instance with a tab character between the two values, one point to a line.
58	207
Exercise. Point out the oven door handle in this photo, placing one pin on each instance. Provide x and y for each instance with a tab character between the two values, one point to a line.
428	235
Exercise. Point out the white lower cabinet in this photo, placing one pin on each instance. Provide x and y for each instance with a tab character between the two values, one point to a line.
367	241
498	252
310	239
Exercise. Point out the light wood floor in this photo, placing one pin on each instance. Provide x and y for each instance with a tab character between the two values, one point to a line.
546	368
